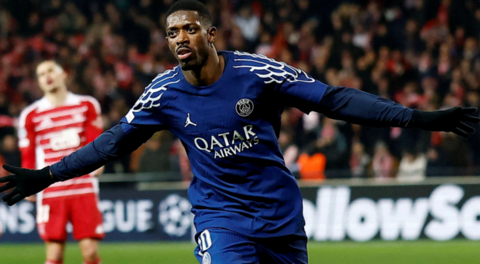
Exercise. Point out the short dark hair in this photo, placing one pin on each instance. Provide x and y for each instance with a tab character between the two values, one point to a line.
192	5
48	60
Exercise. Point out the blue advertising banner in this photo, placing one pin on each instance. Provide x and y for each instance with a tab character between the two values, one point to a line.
18	223
127	216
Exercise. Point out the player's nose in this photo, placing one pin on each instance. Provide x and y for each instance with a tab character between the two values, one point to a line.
182	38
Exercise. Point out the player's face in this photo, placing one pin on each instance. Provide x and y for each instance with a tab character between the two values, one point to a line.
188	39
50	76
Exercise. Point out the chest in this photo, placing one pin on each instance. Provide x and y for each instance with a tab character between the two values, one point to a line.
227	107
60	128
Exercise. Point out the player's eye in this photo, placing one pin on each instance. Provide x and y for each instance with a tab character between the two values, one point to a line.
191	30
171	34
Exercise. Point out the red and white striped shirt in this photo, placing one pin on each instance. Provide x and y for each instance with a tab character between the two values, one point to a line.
47	133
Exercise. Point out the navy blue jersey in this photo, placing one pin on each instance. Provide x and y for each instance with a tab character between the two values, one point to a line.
230	130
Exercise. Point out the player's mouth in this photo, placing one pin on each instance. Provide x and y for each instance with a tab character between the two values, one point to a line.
49	82
184	53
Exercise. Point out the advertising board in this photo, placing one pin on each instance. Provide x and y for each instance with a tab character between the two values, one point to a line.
332	213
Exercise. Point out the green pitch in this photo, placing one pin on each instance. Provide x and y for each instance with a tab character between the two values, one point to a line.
403	252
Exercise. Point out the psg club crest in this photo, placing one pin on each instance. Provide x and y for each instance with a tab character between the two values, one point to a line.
244	107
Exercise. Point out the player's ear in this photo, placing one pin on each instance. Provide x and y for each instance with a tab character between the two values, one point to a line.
211	34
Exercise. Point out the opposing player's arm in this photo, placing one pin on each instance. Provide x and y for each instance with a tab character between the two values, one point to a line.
26	143
93	126
26	139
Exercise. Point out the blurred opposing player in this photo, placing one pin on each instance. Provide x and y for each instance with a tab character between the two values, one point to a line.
49	129
225	107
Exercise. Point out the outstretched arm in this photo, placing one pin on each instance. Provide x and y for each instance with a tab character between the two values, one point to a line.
363	108
112	144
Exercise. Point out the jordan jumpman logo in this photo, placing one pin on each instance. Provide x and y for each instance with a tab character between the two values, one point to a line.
189	122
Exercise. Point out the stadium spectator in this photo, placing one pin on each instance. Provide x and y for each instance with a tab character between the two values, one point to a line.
412	166
248	23
359	161
289	149
384	165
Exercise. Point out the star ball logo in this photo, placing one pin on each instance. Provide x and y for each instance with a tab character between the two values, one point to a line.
175	215
244	107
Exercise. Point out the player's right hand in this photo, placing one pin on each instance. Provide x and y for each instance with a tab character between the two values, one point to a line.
24	182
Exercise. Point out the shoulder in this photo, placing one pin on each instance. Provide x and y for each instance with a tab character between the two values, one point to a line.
28	112
164	79
90	101
246	58
156	89
268	69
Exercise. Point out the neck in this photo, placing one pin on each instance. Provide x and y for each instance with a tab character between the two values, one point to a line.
57	96
209	73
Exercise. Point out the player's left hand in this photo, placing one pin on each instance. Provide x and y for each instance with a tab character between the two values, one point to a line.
24	182
451	120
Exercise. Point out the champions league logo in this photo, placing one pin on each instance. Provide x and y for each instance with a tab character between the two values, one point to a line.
244	107
175	215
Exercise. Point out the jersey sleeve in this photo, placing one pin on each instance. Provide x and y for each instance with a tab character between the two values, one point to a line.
94	124
26	140
300	90
363	108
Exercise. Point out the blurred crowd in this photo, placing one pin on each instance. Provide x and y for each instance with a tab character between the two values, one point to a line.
422	54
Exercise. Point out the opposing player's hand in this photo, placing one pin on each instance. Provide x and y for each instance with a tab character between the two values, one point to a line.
24	182
451	120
